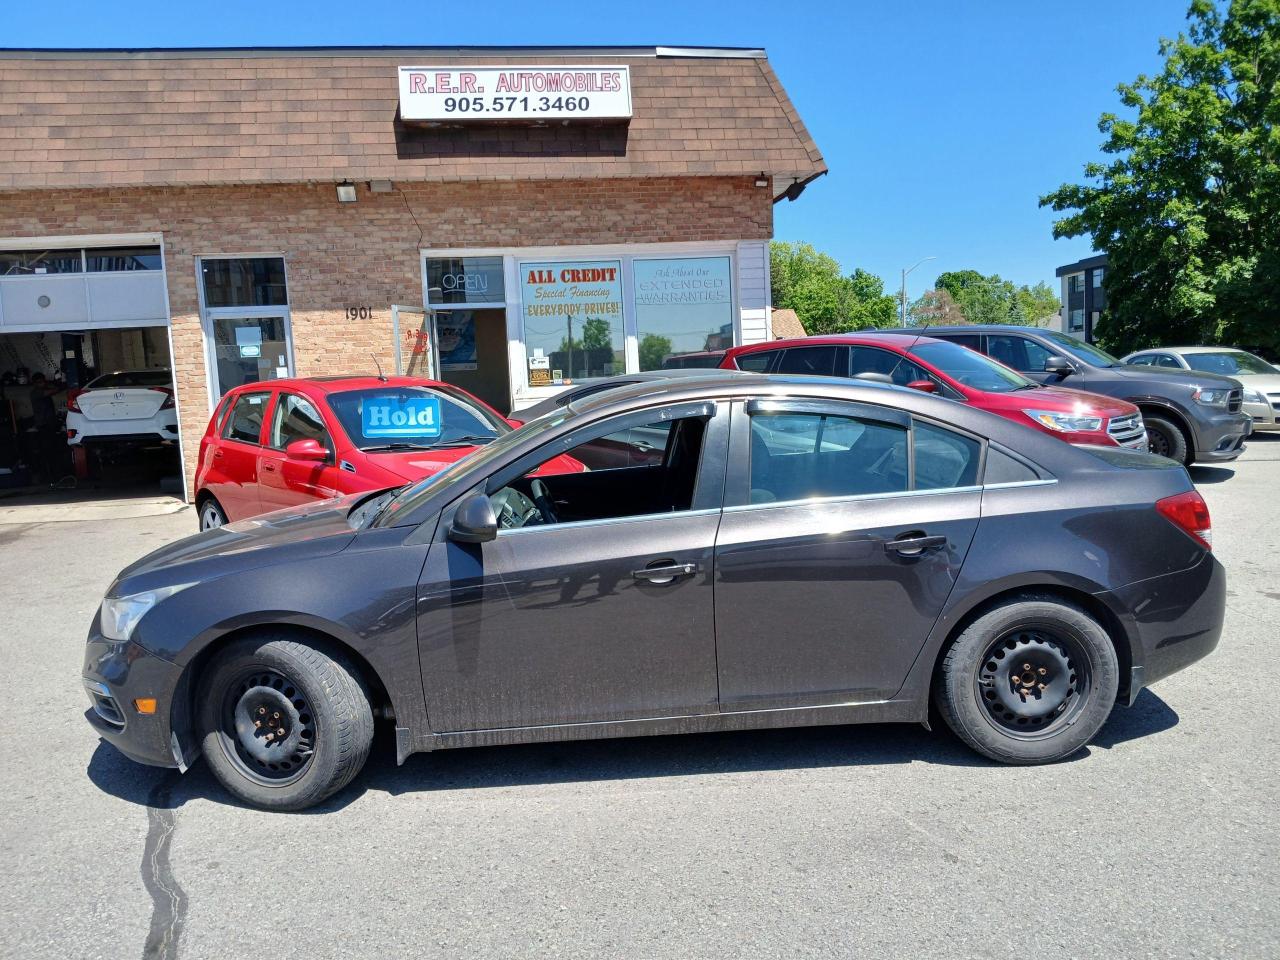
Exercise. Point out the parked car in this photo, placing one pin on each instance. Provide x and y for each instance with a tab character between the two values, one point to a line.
127	407
1189	417
898	548
705	359
936	366
591	387
1259	379
281	443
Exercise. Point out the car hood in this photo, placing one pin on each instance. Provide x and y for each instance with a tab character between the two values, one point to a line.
1069	398
415	464
1266	382
1188	378
312	530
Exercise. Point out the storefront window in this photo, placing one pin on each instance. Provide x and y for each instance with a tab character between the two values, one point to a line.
244	282
23	263
465	280
573	326
117	259
683	306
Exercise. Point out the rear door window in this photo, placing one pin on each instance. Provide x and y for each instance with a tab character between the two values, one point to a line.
244	423
944	458
814	361
1021	354
799	456
757	362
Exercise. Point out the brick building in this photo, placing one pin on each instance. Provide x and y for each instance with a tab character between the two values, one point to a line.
507	219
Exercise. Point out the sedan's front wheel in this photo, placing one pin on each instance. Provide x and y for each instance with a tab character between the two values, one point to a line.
283	724
1029	682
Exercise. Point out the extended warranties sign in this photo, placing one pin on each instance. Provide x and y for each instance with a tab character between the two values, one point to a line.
401	416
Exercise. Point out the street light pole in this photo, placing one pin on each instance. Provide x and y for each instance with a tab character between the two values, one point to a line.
904	285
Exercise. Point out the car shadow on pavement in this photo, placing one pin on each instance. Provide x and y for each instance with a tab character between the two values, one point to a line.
1202	474
635	758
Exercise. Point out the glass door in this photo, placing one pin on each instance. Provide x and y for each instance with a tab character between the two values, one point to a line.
247	349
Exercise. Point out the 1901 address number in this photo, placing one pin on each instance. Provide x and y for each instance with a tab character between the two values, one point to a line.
517	104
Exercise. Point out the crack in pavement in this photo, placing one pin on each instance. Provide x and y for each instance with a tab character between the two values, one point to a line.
168	899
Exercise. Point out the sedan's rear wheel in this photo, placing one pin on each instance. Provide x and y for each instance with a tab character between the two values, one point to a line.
211	515
1029	682
283	724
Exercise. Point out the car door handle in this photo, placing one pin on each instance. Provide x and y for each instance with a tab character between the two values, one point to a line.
666	572
269	467
912	545
217	454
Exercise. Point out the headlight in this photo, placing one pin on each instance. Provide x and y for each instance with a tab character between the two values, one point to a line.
1254	396
1211	397
121	614
1065	422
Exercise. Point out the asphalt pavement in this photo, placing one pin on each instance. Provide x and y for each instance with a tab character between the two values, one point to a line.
880	841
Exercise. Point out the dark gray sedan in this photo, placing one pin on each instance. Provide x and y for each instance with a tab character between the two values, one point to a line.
804	551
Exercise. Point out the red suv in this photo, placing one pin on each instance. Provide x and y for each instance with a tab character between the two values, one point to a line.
956	372
279	443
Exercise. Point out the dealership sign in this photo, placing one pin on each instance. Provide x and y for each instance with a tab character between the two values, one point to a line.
515	93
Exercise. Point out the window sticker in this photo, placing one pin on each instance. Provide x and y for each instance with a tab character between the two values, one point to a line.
401	416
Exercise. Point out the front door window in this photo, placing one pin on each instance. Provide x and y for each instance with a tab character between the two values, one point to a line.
246	319
249	349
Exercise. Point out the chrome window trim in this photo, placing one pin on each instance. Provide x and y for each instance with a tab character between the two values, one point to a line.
578	524
815	501
1020	483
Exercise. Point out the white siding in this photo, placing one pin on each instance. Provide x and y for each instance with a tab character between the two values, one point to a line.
753	291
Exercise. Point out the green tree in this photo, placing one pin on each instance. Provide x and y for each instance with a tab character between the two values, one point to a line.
1188	207
827	301
653	350
596	334
992	299
935	308
1034	305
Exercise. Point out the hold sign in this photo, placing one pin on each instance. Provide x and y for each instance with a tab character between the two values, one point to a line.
402	416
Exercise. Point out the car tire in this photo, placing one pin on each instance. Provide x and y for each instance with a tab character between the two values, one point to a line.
317	698
211	515
1165	438
1028	682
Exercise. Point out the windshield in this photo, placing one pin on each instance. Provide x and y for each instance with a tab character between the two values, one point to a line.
970	368
1229	362
398	417
414	495
1080	350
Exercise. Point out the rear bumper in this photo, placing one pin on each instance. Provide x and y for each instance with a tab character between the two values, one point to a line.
116	674
1173	620
1221	437
153	429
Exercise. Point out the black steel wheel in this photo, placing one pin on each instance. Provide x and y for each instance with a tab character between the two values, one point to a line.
284	721
1165	438
268	728
1029	681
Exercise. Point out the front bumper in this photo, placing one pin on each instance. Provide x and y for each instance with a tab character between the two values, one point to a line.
1221	437
116	674
1173	620
1265	416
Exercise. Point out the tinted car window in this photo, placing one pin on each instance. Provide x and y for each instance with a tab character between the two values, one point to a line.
756	362
971	340
463	421
1017	352
944	458
1079	349
796	456
130	378
297	419
1002	468
634	447
245	420
811	361
1145	361
1165	360
898	368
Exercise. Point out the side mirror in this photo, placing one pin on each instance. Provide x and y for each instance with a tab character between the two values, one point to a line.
308	451
474	521
1059	366
514	423
872	377
924	386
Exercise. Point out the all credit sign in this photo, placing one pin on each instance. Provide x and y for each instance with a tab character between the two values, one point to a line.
461	94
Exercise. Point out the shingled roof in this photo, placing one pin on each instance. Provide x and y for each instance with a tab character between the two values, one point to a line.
72	119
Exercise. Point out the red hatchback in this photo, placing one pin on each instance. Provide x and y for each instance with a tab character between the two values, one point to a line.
280	443
956	372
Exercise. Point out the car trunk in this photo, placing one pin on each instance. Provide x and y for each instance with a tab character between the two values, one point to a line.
125	403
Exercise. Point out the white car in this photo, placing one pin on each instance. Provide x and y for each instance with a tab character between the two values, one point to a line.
1261	380
128	406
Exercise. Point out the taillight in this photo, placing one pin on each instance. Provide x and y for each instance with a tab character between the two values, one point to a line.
1189	512
73	399
168	397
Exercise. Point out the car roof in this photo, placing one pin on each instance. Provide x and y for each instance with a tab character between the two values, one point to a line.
339	384
971	328
903	341
1201	349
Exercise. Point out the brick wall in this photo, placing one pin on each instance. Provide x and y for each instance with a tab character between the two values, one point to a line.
341	255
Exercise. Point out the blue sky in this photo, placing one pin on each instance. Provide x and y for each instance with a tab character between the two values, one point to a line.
942	122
